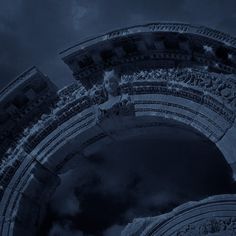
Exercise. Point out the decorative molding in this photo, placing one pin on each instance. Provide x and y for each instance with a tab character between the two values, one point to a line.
214	215
210	226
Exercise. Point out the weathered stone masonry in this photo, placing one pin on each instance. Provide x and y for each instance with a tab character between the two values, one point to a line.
165	72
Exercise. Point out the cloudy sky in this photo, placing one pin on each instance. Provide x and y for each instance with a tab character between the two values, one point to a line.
145	176
34	32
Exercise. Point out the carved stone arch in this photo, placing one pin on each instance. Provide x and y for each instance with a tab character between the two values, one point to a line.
214	216
159	83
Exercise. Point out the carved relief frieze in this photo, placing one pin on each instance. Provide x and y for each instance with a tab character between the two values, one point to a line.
221	87
212	226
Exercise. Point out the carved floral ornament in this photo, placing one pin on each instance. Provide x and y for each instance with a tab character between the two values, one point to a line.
113	96
219	85
222	86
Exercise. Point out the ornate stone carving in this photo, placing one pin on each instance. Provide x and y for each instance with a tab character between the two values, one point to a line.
111	83
98	94
188	46
179	46
212	216
213	226
221	86
113	96
120	106
116	102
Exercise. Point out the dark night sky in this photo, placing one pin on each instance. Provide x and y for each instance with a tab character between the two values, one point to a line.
34	32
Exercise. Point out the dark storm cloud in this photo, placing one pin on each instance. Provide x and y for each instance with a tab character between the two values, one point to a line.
33	32
141	177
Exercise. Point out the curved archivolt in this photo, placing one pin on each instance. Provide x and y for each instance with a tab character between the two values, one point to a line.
83	119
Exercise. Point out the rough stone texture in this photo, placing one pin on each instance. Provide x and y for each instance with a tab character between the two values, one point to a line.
165	76
22	102
212	216
227	144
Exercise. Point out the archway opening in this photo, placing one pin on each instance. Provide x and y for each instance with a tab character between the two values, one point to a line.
142	176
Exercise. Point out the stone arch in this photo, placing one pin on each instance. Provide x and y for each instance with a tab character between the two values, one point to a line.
212	216
172	87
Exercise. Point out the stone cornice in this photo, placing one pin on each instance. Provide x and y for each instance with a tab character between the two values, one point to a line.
155	27
160	45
